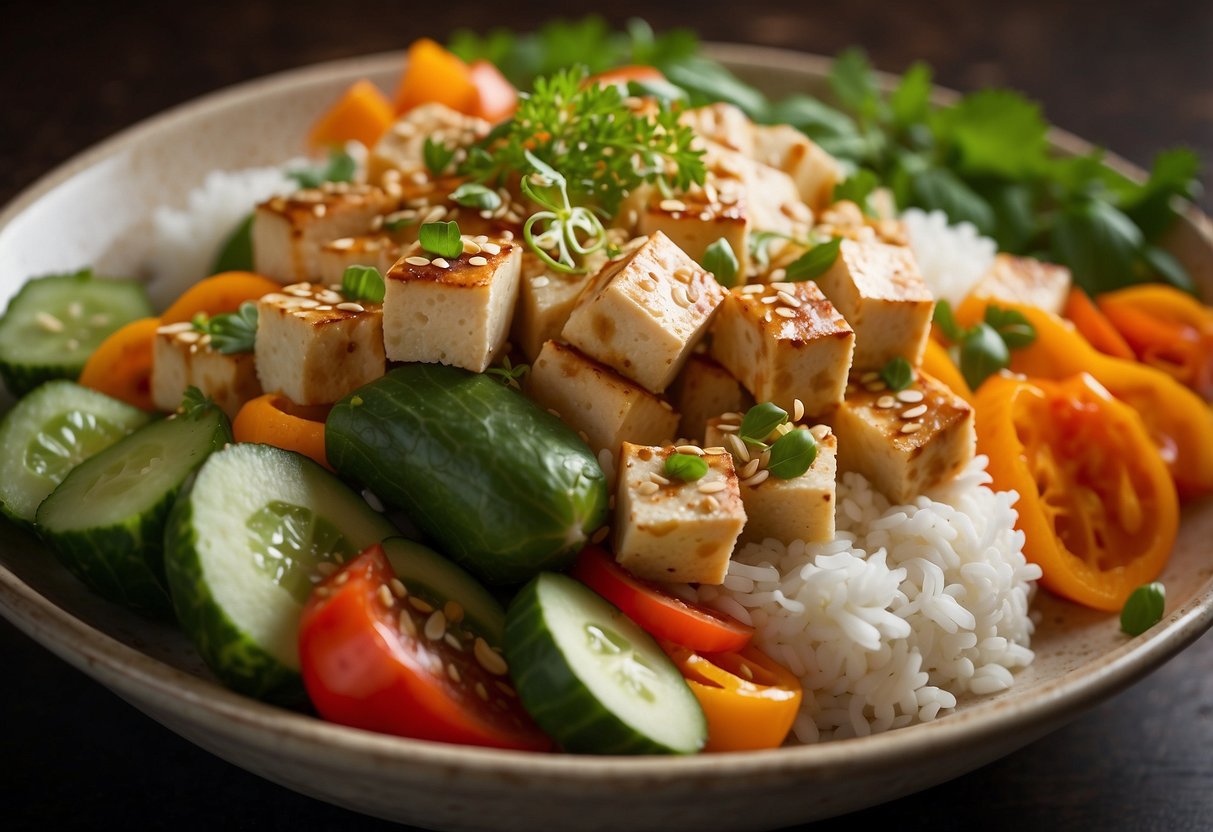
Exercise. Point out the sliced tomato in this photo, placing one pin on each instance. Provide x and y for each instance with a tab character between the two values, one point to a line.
368	661
496	99
697	627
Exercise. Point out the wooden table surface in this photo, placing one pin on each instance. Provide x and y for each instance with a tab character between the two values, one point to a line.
1134	77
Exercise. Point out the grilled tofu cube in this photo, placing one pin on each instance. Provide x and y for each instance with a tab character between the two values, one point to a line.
402	147
314	346
644	312
456	311
1025	280
785	341
546	298
800	508
772	200
814	171
182	357
878	289
696	219
377	250
597	402
288	232
670	530
724	124
905	442
703	390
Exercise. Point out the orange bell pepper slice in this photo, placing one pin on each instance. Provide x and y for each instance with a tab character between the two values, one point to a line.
1093	325
621	75
434	74
496	99
1167	329
121	366
220	293
937	363
362	113
749	700
1097	506
1177	419
275	420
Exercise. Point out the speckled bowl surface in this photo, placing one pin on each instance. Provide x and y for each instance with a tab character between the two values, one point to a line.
95	210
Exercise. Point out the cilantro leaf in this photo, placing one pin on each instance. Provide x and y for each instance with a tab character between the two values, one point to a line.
854	83
995	132
857	188
910	101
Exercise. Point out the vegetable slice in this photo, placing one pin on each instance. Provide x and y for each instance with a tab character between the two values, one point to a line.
218	295
593	679
379	659
275	420
361	114
121	367
431	73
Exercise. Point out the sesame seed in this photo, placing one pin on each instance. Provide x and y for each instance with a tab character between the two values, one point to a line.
453	611
885	402
407	625
692	294
712	503
453	672
679	295
911	427
600	535
797	410
377	222
491	248
421	605
647	489
319	209
738	447
646	284
712	487
385	596
875	387
435	626
910	396
418	177
715	450
758	479
657	478
441	262
398	588
48	322
455	644
583	436
785	312
417	261
434	214
482	691
689	449
770	299
372	500
683	274
189	337
538	282
99	319
173	329
820	432
869	377
750	469
554	412
914	412
727	428
470	246
325	308
788	299
342	243
746	671
341	578
326	568
666	405
489	658
75	309
351	307
753	289
672	205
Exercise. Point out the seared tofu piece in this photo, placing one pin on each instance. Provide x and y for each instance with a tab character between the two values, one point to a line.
724	124
402	147
698	218
905	442
546	298
879	290
644	312
377	250
314	346
785	341
703	390
182	357
289	232
800	508
455	311
772	200
814	171
675	531
1025	280
597	402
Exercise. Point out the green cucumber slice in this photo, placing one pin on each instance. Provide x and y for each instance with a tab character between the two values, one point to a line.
54	323
106	520
50	432
243	549
593	679
434	578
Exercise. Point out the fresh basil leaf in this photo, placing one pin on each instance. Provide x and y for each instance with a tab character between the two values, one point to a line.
994	132
686	467
437	156
944	317
363	283
1143	609
1016	220
982	354
1011	324
1099	244
792	454
236	255
473	195
814	262
854	83
231	332
857	188
910	102
897	373
939	189
441	239
760	422
720	260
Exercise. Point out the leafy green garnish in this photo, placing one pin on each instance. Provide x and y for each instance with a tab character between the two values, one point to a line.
815	262
437	156
363	283
898	374
340	167
720	260
231	332
441	239
473	195
194	403
1143	609
857	188
984	349
792	454
570	232
509	372
759	422
1011	324
686	467
236	255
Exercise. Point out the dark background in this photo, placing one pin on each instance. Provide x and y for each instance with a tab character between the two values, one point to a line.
1135	77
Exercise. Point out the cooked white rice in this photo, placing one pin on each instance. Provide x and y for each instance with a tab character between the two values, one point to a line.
908	608
952	258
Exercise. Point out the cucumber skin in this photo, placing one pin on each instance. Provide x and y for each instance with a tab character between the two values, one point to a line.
495	480
232	657
132	570
551	692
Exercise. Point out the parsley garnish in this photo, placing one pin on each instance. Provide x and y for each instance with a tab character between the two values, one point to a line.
363	283
194	403
441	239
231	332
509	372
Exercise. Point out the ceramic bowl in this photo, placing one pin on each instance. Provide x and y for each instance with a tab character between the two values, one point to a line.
95	210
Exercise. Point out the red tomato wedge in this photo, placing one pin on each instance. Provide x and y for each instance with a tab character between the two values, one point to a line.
496	98
368	661
699	628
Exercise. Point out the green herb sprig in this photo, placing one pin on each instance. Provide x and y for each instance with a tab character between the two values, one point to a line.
473	195
437	156
560	233
897	373
792	454
985	349
686	467
759	422
231	332
815	262
363	283
442	239
340	167
720	260
194	403
510	373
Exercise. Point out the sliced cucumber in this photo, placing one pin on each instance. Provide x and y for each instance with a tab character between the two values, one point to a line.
50	432
244	544
54	323
593	679
436	579
106	520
